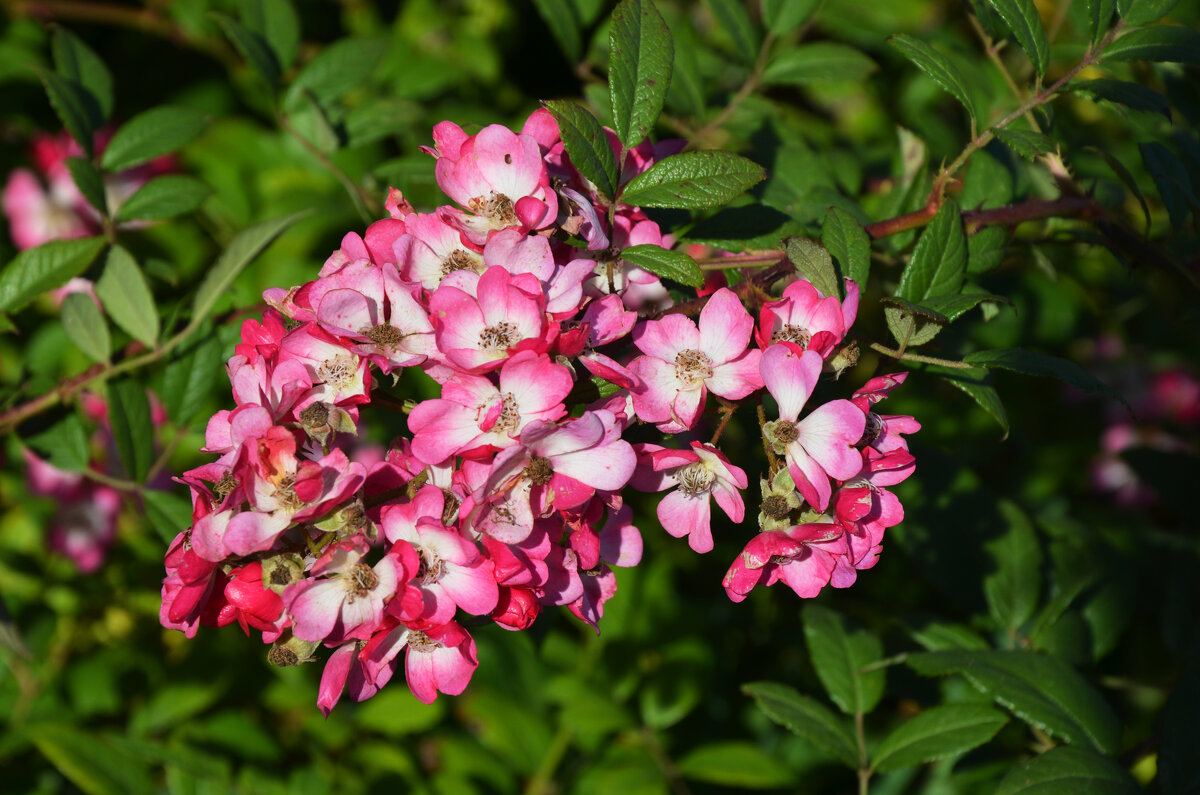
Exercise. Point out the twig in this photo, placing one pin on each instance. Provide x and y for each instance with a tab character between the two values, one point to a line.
748	88
905	356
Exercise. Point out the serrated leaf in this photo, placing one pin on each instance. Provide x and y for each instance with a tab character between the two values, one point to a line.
942	636
562	18
1068	769
1143	12
955	306
734	20
150	134
132	430
639	70
938	67
85	326
127	298
1134	96
1100	14
912	324
976	382
847	241
1126	178
76	107
586	143
806	718
985	249
838	655
735	764
1015	586
937	733
188	379
784	16
818	62
693	180
1025	143
341	66
45	267
253	47
163	197
275	21
1041	690
89	181
248	244
75	60
1160	43
94	765
1030	363
1171	178
64	444
667	263
749	227
814	264
939	261
170	513
1023	20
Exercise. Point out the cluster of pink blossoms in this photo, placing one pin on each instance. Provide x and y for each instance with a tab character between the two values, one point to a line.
508	493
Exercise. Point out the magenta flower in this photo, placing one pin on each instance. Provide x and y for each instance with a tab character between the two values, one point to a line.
803	557
432	249
806	318
437	659
697	475
476	333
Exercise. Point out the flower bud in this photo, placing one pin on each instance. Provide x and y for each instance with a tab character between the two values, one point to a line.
517	609
291	651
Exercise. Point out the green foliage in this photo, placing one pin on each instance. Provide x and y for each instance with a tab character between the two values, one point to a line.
155	132
937	733
587	145
85	326
814	264
693	180
127	298
46	267
667	263
640	58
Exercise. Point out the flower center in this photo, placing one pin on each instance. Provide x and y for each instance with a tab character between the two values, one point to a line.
383	335
339	371
872	431
432	567
785	432
362	580
510	417
283	657
695	478
226	484
285	492
422	643
499	337
790	333
316	415
692	367
539	470
496	207
457	260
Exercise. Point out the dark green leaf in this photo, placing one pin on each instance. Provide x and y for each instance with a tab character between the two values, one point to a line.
819	61
838	655
784	16
562	18
1041	690
734	20
938	67
955	306
1015	586
127	298
667	263
1134	96
639	69
847	241
985	249
90	762
942	636
188	379
46	267
133	432
85	326
90	182
76	108
1023	20
1100	14
736	764
1178	762
275	21
343	65
748	227
693	180
939	262
170	513
173	705
164	197
1171	178
152	133
1025	143
1143	12
1159	43
253	47
937	733
912	324
1030	363
587	145
977	383
64	444
248	244
807	718
814	264
1068	769
76	61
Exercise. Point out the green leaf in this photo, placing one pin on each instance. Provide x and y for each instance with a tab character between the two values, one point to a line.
1159	43
939	262
133	432
85	326
693	180
78	62
1023	20
806	718
1068	769
1100	14
562	18
188	379
1014	588
1171	178
91	763
734	20
1025	143
816	62
275	21
587	145
64	444
1041	690
343	65
1143	12
127	298
152	133
667	263
943	636
639	69
1178	763
736	764
253	47
76	107
50	265
248	244
90	182
837	655
976	383
173	705
1029	363
847	241
955	306
912	324
814	264
167	196
938	67
937	733
1134	96
784	16
749	227
170	513
985	249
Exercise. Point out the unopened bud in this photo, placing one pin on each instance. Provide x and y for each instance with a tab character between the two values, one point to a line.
846	358
517	609
280	571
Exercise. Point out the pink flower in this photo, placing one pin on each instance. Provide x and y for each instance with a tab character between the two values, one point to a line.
85	523
618	543
884	432
806	318
432	249
803	557
683	362
477	333
698	475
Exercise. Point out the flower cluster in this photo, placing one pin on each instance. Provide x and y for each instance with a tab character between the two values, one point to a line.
508	494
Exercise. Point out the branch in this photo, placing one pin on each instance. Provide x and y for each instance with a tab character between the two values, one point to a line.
748	88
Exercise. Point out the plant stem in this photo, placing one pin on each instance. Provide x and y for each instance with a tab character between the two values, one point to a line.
727	410
864	768
916	357
368	205
748	88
